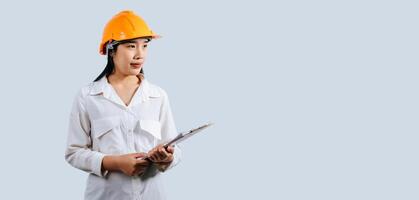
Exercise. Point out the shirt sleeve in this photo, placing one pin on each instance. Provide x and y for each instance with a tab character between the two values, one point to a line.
78	151
168	129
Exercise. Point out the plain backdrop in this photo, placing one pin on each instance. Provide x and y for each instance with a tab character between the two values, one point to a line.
311	100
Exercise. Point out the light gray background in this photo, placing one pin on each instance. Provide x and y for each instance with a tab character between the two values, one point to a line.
311	99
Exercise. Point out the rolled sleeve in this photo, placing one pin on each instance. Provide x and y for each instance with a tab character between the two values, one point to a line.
78	151
168	129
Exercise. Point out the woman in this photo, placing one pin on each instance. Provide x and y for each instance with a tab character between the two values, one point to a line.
118	122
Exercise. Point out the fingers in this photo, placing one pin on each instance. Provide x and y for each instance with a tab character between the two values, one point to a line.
139	171
141	166
133	163
161	155
139	155
142	162
170	149
165	154
155	155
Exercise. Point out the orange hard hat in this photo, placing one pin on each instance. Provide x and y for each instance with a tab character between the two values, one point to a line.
123	26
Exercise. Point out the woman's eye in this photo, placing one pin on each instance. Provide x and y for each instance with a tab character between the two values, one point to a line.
131	46
145	46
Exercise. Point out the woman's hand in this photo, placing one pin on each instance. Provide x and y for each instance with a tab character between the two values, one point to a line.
161	157
141	165
129	164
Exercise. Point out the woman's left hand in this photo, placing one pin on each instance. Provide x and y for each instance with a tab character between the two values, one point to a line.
161	156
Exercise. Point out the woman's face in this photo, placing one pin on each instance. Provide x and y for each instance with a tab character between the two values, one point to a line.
129	57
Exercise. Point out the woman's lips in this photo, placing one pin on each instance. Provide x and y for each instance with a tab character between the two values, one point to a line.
135	65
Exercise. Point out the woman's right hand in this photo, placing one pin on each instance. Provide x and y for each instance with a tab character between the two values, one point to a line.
130	164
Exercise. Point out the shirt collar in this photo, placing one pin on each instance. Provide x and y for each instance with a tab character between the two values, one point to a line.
144	92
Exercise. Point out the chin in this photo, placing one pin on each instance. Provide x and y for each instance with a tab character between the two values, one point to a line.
134	71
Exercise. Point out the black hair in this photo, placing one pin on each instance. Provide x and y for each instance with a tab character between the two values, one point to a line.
110	65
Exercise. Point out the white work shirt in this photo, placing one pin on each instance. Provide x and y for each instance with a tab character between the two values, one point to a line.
101	124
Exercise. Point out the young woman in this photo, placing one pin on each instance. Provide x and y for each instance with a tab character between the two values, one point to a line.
118	122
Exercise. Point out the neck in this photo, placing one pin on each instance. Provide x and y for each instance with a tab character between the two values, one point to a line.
120	79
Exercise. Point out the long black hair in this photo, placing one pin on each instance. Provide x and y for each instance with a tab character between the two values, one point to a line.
110	65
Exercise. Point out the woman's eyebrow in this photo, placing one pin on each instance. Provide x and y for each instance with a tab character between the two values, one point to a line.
135	42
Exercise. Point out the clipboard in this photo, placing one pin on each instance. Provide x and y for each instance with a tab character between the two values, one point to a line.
184	135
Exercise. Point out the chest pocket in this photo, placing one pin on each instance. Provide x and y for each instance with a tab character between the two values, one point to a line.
107	135
151	127
149	133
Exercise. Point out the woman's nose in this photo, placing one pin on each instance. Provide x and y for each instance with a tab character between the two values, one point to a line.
139	54
138	57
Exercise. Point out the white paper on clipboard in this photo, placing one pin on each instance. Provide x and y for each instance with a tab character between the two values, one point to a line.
184	135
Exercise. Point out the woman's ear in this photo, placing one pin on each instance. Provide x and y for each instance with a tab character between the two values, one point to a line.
111	53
